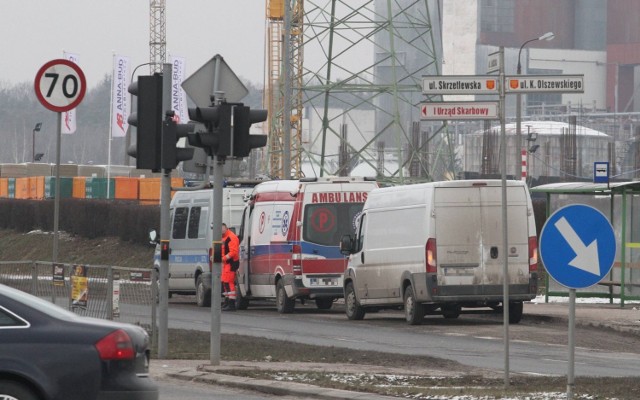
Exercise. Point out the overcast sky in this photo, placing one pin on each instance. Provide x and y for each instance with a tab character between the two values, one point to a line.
36	31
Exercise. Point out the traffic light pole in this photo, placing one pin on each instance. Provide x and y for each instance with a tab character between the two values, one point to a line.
218	178
216	283
165	199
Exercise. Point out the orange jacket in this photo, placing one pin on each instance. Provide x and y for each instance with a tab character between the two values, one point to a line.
230	246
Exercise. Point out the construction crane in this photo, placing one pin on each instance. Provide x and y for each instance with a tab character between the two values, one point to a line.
157	35
283	95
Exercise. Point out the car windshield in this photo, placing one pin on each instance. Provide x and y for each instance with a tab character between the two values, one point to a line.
325	223
35	302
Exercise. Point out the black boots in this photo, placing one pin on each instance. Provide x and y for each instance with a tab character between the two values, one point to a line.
230	305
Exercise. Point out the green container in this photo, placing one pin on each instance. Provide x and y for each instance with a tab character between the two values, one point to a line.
11	188
66	187
96	188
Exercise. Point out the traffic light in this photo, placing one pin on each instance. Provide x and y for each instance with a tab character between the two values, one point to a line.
171	133
243	142
216	140
148	122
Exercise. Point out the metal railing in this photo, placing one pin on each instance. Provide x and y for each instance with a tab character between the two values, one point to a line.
104	291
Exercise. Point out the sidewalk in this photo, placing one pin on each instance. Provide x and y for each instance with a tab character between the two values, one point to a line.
199	371
599	315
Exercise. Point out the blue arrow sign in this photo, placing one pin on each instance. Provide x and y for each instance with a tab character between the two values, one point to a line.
577	246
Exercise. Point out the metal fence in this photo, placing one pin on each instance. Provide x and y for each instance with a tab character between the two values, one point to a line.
103	291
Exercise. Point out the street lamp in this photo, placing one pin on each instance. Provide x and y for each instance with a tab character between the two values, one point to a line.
547	36
33	141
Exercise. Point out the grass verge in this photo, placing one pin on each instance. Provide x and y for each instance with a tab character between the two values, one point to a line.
464	383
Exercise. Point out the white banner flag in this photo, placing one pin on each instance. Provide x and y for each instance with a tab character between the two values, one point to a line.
178	96
69	117
120	104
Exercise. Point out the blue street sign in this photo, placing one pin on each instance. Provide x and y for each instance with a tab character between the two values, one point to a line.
577	246
601	172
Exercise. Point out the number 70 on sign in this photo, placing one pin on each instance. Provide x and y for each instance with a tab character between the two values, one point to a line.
60	85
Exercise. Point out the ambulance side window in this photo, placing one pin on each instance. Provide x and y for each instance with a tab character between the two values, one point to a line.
180	223
243	227
361	231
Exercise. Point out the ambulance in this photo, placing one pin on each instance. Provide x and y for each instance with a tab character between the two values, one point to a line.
290	236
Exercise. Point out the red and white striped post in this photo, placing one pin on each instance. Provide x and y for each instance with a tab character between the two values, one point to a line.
523	153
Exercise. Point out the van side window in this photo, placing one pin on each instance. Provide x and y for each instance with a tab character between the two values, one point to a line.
180	223
361	230
197	223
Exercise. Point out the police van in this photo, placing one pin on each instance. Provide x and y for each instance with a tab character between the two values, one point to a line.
290	236
438	247
191	238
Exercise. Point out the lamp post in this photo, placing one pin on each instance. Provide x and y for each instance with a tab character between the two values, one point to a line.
33	141
547	36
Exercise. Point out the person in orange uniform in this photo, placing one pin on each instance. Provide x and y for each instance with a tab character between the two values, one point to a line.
230	263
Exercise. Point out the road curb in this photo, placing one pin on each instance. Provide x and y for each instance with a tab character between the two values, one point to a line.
276	388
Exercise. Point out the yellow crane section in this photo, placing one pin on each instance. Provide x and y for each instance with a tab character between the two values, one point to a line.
274	93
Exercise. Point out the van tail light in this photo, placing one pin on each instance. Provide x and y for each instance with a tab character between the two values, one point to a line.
533	254
296	259
430	256
210	259
116	346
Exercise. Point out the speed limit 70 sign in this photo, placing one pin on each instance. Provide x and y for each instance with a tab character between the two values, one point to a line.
60	85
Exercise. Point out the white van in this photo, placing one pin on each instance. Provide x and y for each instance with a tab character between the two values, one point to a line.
191	238
438	247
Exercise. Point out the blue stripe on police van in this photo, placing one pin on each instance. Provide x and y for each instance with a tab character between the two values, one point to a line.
188	259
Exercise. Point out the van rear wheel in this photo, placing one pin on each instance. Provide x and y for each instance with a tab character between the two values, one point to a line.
451	311
515	312
353	309
413	310
284	304
242	303
203	296
324	303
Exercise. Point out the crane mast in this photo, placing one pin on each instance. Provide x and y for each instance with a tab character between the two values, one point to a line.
157	35
284	82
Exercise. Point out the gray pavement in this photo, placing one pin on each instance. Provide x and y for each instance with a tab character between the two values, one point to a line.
601	315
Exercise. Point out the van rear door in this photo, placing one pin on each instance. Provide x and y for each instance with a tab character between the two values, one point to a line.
469	239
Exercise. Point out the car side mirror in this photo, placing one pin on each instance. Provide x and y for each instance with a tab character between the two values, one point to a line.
346	245
153	237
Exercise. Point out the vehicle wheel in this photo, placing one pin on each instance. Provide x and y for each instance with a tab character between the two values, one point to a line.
451	311
242	303
515	312
324	303
413	311
203	296
354	310
284	304
10	390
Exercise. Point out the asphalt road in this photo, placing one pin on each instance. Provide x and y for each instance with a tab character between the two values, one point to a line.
471	340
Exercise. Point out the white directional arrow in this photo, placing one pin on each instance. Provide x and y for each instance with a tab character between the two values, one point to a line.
586	256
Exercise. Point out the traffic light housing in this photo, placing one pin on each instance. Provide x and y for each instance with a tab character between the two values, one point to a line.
172	155
216	140
243	141
148	122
